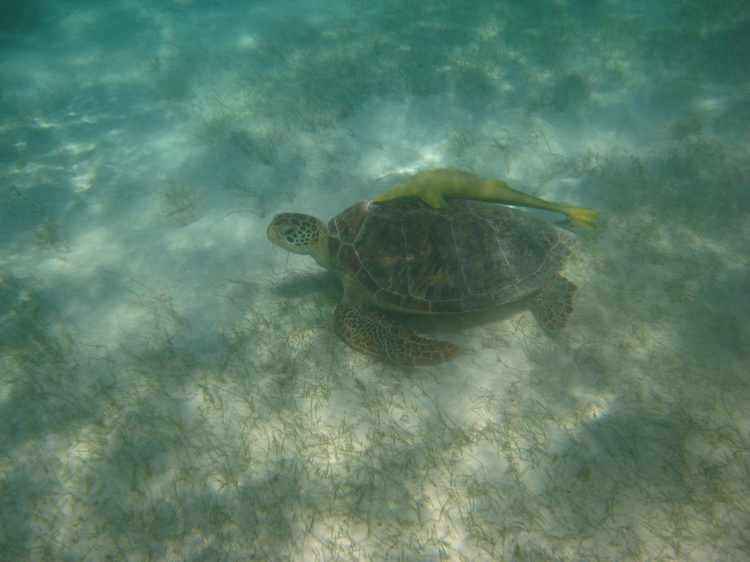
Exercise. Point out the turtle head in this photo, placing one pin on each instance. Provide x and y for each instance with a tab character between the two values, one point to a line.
300	234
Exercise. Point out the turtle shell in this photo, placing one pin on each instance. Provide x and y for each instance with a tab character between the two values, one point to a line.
470	256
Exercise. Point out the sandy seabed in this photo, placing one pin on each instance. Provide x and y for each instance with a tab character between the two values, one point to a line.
170	384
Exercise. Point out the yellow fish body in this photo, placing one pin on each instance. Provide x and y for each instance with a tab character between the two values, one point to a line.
435	186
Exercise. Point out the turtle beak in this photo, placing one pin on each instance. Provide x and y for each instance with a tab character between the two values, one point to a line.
278	234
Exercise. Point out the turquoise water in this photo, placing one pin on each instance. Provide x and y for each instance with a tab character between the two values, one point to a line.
170	384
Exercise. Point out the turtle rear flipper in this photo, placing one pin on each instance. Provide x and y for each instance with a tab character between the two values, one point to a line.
554	302
368	331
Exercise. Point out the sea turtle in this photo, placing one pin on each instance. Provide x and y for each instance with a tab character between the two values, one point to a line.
414	258
435	186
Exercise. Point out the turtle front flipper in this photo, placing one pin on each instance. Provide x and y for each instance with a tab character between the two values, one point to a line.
368	331
554	302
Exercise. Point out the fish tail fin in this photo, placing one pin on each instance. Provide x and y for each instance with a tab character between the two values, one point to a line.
583	216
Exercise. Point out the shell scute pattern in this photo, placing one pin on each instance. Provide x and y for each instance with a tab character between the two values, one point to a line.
468	257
